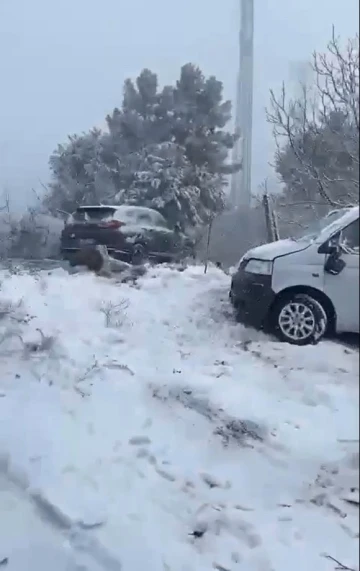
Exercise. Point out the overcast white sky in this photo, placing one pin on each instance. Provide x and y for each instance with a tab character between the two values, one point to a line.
63	64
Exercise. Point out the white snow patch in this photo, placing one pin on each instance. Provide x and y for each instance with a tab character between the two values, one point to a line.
173	420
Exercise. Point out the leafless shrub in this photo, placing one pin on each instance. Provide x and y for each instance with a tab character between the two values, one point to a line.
115	365
89	371
44	344
13	317
114	313
8	333
6	308
14	311
87	374
30	236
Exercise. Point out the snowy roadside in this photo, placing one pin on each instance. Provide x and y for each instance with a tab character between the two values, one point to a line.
170	436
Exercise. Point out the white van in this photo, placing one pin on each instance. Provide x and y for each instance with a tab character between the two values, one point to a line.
302	288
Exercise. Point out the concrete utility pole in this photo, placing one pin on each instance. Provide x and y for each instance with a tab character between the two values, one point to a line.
241	181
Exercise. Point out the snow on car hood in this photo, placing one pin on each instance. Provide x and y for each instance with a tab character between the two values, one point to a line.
276	249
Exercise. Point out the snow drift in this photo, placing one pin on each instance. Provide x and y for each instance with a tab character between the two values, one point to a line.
156	433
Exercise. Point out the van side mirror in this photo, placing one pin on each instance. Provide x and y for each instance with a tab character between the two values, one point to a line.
333	249
334	264
331	246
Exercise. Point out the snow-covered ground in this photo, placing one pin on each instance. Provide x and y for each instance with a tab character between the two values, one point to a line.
142	428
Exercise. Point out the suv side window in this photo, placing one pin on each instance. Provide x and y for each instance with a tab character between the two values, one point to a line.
349	238
144	218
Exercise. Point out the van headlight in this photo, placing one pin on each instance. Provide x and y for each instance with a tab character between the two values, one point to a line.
261	267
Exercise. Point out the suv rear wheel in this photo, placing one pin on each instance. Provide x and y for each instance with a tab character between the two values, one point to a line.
298	319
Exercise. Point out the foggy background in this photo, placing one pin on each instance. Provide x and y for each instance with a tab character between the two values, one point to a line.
63	65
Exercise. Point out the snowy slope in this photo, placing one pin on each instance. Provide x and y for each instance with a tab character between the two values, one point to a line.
152	432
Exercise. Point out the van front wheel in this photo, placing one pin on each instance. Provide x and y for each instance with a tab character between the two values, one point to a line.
298	319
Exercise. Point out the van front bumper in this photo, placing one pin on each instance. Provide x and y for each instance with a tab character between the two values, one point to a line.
252	297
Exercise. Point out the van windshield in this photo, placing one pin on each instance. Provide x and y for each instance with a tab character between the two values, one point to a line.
315	229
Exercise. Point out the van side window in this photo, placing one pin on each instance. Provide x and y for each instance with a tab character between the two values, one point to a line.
350	237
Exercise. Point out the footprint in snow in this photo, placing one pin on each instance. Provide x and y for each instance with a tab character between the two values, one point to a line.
143	453
165	474
217	519
139	440
213	482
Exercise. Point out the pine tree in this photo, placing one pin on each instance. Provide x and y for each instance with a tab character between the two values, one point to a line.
146	115
200	116
183	176
166	149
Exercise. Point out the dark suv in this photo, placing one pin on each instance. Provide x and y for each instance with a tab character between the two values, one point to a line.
130	233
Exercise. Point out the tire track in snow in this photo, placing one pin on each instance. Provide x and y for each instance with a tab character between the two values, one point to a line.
52	532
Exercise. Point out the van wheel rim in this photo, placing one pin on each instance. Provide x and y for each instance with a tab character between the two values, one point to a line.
297	321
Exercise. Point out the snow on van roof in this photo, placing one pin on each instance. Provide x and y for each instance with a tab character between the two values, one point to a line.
353	211
349	215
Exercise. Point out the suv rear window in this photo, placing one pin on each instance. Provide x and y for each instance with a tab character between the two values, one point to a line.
93	214
141	216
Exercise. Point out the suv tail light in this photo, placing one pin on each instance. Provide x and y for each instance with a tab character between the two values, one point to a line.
112	224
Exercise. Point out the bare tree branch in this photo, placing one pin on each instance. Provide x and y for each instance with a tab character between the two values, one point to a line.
318	131
339	565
